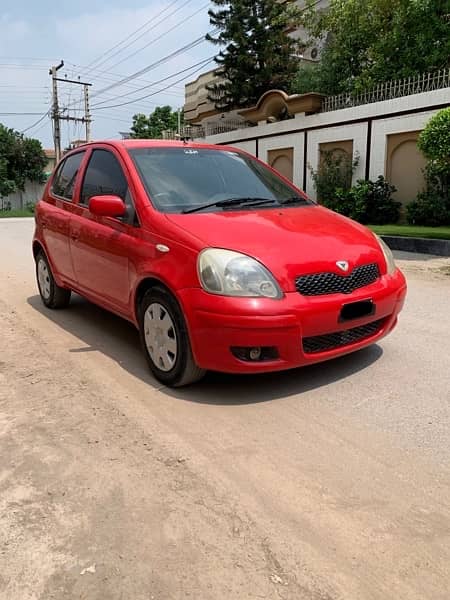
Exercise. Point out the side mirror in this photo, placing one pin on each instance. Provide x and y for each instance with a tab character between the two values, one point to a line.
107	206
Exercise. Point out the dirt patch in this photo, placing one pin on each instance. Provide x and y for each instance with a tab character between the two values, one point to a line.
91	506
421	266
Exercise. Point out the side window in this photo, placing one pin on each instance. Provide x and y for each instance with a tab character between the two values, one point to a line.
104	176
64	181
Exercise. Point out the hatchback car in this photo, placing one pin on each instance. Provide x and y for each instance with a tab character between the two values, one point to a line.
220	262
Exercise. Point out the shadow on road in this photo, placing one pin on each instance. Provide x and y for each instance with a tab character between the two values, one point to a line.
101	331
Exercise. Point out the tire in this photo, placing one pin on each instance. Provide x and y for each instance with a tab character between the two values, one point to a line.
52	295
165	339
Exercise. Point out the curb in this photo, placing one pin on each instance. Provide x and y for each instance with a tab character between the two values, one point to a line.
16	219
419	245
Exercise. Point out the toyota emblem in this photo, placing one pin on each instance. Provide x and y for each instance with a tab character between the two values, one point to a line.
343	265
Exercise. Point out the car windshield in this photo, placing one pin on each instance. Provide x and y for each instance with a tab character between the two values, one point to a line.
186	179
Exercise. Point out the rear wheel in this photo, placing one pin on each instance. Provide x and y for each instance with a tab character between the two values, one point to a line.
52	295
165	339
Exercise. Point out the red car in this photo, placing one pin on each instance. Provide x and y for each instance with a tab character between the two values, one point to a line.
219	261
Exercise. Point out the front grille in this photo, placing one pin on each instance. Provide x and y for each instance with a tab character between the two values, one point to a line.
329	341
320	284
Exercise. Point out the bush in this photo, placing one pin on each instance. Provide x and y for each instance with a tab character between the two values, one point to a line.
334	176
367	202
429	209
343	203
374	203
432	206
434	141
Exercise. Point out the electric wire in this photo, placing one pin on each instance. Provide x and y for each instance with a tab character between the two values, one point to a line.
89	66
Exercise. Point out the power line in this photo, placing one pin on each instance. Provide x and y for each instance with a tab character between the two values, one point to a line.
152	66
28	114
46	60
39	129
30	87
164	33
37	122
135	86
202	62
27	67
131	35
142	35
158	63
109	118
110	77
158	91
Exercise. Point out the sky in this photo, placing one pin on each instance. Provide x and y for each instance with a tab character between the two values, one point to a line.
101	42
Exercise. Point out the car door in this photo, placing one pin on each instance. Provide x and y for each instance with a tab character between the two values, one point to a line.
55	220
101	246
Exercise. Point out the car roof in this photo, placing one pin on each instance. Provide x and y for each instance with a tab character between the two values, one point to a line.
138	143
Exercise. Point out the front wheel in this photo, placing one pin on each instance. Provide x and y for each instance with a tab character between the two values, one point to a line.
52	295
165	339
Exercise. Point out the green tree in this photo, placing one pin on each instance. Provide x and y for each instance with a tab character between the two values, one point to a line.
151	127
432	206
434	141
371	41
21	159
257	55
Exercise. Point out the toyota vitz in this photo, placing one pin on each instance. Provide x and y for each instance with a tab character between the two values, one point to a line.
219	261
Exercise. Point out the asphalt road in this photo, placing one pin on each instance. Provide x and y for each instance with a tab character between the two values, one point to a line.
325	483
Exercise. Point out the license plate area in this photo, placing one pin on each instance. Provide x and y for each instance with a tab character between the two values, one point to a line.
357	310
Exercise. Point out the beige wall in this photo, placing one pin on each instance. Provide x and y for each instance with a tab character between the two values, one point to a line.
197	106
337	148
404	164
283	161
338	145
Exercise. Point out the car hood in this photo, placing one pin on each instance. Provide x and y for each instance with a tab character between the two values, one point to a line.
289	241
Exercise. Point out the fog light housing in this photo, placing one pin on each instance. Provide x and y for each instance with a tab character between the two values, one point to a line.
255	353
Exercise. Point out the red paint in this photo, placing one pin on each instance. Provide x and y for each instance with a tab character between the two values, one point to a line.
105	259
107	206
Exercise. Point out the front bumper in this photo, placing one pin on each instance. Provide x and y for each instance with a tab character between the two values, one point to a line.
218	323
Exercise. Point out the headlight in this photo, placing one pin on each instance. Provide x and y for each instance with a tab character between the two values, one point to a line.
389	257
230	273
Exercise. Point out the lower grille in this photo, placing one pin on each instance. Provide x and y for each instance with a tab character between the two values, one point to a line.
329	341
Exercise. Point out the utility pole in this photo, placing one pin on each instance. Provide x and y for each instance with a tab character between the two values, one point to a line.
55	111
87	114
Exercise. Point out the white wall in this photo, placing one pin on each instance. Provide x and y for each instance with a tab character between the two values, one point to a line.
31	194
334	126
249	146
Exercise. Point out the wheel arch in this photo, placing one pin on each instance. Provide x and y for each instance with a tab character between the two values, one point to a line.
38	247
142	288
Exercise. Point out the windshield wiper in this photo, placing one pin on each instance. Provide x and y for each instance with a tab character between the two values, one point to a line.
250	201
294	200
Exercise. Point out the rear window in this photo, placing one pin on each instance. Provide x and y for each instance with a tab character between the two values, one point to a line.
179	179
